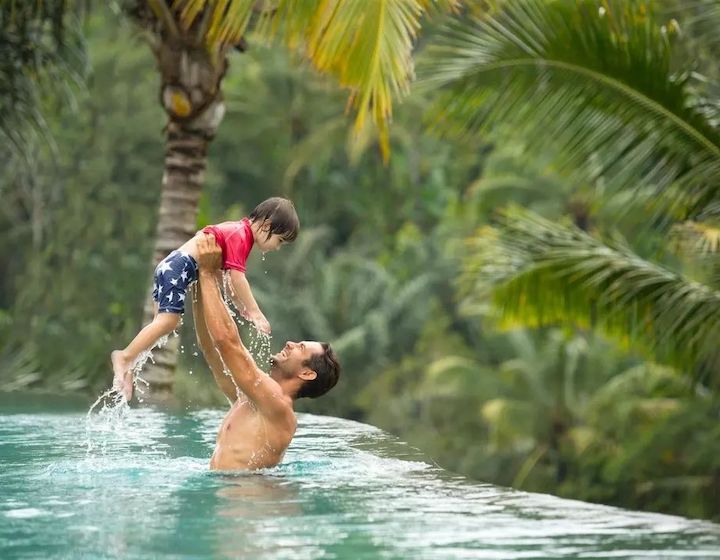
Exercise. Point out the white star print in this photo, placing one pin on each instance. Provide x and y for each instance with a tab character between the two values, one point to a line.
164	267
181	297
169	296
174	281
184	275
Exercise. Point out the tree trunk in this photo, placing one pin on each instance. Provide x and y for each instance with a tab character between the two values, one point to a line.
191	97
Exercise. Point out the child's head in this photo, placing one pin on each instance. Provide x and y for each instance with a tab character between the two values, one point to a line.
277	220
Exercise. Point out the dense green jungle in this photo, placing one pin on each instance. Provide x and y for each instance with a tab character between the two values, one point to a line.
527	289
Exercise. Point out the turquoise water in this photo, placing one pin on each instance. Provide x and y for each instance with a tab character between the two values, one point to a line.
139	488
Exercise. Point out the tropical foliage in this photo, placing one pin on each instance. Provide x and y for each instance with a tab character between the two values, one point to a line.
617	115
40	49
365	45
432	274
595	78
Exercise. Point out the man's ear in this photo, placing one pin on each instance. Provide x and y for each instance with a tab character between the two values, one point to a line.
265	226
307	374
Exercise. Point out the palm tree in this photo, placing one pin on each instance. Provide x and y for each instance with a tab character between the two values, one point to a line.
366	45
593	82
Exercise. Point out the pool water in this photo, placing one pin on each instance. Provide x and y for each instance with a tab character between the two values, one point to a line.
139	487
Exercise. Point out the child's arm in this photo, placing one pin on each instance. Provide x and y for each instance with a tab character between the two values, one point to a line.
245	301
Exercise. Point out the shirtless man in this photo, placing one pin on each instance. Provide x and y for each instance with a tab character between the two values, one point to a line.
261	422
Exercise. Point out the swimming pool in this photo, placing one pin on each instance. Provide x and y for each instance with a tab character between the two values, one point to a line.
141	489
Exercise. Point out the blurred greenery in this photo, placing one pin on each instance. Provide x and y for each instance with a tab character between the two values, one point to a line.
461	283
41	53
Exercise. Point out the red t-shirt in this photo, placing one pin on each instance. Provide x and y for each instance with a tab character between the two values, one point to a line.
236	240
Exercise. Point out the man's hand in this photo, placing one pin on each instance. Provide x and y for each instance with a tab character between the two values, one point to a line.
209	253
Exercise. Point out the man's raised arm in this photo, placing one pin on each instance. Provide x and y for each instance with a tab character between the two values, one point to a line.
222	328
258	386
212	357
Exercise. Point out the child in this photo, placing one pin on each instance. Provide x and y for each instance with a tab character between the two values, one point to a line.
272	223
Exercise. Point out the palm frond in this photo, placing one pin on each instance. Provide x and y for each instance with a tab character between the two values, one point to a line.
221	22
367	46
539	272
593	83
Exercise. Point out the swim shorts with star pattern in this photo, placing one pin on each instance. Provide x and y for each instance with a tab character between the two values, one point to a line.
172	277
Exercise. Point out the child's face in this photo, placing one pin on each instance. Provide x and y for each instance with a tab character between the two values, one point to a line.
273	244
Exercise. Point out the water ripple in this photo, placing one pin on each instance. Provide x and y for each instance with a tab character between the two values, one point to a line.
136	485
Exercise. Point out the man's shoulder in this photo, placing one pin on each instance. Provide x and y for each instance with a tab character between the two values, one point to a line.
281	407
284	417
268	395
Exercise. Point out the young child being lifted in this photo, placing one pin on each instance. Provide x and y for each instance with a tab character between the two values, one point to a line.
271	224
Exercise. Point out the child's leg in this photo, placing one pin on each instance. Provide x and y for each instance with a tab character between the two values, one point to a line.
122	360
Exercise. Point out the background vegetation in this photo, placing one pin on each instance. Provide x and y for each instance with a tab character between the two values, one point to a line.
526	290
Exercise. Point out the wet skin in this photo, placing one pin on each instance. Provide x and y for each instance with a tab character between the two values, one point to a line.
247	440
261	421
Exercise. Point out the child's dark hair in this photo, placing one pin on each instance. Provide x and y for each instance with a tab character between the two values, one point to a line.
280	212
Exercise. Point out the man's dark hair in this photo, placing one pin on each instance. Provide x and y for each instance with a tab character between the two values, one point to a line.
327	367
281	214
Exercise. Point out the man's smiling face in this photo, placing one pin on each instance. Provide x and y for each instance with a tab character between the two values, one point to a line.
293	355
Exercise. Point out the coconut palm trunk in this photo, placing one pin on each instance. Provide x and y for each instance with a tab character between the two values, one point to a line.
192	99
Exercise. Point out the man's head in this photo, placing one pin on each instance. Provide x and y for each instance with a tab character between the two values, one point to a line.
312	362
274	222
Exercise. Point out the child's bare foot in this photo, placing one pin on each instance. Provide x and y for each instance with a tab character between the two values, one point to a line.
128	386
122	376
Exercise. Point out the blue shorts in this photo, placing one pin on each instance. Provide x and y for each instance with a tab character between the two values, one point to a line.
172	277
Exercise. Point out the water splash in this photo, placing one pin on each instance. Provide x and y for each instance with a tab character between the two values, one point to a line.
257	342
108	413
139	383
105	416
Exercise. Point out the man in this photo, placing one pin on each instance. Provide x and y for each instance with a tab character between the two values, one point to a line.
261	422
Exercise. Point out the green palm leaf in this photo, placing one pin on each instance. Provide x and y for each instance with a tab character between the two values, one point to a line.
540	272
365	44
222	22
592	81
